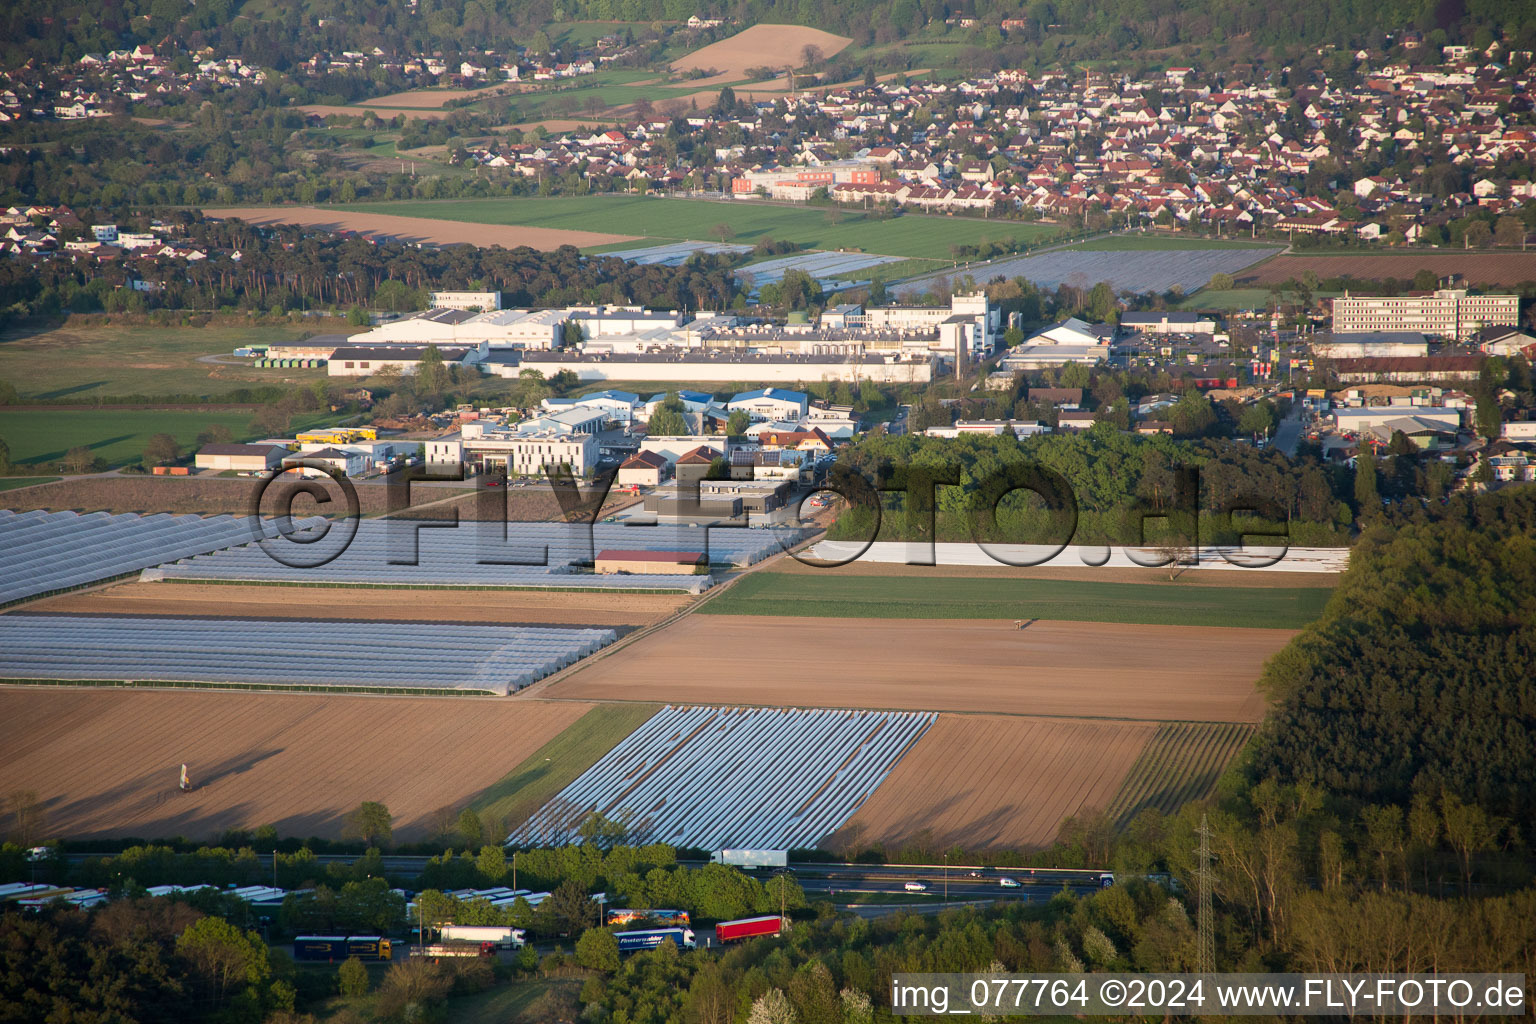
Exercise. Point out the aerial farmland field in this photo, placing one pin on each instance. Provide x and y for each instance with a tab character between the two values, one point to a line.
117	436
104	763
83	358
1068	669
1505	269
675	219
1134	270
917	595
997	782
441	230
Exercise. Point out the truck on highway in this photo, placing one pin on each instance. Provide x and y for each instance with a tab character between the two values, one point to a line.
650	938
629	915
749	928
752	858
454	950
502	938
335	948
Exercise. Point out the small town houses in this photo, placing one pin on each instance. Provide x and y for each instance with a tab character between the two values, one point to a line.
1177	147
1170	148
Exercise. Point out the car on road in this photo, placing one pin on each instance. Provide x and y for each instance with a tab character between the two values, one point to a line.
916	887
1007	883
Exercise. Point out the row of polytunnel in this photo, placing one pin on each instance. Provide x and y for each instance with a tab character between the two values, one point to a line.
713	778
411	552
436	656
44	552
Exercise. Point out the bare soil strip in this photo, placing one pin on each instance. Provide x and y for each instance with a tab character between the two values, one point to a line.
382	604
105	763
993	781
1070	669
419	229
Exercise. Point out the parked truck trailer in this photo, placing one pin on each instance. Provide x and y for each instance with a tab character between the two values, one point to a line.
335	948
636	942
501	937
749	928
629	915
752	858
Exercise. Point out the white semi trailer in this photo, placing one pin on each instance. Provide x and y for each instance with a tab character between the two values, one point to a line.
505	938
752	858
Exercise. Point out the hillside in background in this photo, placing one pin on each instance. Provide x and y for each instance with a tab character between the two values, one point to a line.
282	33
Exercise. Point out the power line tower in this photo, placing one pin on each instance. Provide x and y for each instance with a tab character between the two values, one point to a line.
1205	948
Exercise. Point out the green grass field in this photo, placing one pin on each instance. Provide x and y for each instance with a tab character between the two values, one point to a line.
674	219
10	483
917	597
81	361
559	762
1142	243
117	435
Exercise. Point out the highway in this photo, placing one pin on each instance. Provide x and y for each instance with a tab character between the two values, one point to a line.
965	882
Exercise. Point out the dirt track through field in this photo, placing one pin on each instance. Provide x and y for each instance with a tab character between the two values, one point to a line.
418	229
105	763
991	781
1073	669
508	607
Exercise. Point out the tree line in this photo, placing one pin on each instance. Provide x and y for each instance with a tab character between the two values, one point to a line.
1124	488
289	268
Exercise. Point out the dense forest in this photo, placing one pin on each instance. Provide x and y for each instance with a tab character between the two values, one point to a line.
1417	680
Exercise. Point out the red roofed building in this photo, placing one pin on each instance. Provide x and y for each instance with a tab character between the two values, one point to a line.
814	439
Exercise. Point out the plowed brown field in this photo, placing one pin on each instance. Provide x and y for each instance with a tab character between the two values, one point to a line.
994	781
105	763
419	229
375	604
1485	268
1071	669
774	46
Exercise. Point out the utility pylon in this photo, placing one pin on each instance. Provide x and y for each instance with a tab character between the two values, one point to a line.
1205	924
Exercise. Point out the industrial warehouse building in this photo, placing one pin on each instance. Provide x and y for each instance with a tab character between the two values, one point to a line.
241	458
472	301
652	563
366	360
1167	323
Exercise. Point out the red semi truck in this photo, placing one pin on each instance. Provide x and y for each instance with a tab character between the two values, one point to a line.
749	928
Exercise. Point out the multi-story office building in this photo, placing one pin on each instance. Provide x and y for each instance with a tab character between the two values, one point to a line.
1448	312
